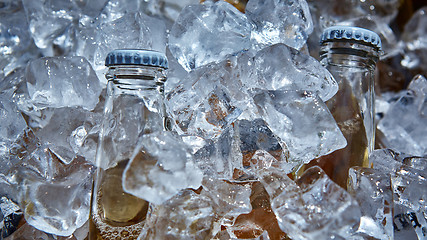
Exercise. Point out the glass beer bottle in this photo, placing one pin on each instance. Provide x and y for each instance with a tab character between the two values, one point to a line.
350	54
134	95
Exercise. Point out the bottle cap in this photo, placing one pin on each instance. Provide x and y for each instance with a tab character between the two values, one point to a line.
351	33
136	57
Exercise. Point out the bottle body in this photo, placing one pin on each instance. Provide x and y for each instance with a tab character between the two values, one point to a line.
353	66
134	96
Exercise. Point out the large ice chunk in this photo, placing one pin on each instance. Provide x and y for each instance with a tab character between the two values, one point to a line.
207	33
408	181
187	215
71	132
160	168
129	29
312	207
372	190
229	200
405	124
279	21
10	216
208	100
414	37
62	82
12	124
54	197
301	120
281	67
16	46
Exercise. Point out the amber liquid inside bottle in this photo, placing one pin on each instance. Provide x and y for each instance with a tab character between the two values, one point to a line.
119	215
352	66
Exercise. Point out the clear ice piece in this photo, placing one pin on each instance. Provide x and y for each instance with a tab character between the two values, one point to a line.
409	184
372	190
279	21
312	207
405	124
229	200
55	197
71	132
12	124
187	215
281	67
219	158
16	46
301	120
129	29
208	32
160	167
208	100
10	216
414	37
62	82
48	19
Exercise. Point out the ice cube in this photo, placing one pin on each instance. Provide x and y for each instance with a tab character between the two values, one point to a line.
10	216
229	200
71	132
208	100
301	120
16	46
408	181
279	21
219	158
28	232
12	124
54	197
207	33
130	30
48	19
160	167
62	82
187	215
414	37
313	206
281	67
404	125
372	190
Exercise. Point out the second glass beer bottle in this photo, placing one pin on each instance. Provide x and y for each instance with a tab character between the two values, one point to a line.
350	54
134	96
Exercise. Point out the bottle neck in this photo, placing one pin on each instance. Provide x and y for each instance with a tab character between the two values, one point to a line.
126	79
349	54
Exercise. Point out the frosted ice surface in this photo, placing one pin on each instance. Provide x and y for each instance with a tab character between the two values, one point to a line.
405	124
207	33
281	67
187	215
372	190
62	82
160	168
279	21
55	198
312	207
301	120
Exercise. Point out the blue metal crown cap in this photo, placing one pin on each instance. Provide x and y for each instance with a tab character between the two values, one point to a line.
136	57
351	33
